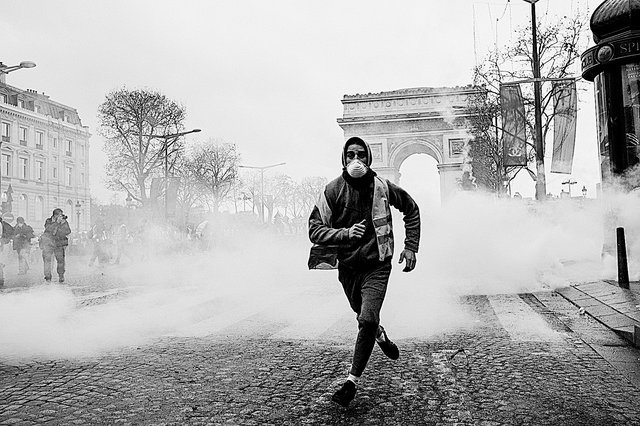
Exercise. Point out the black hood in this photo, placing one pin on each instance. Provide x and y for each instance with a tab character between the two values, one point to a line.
360	142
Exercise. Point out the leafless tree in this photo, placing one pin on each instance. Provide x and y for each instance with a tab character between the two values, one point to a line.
191	192
559	44
214	165
131	121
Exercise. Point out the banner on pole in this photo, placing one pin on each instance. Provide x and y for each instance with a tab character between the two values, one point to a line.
155	191
173	185
564	126
514	147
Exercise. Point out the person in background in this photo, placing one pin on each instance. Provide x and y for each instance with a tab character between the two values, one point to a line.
6	234
22	235
98	235
53	242
122	242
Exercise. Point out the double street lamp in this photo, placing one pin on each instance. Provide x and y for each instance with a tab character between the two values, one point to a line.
262	169
174	137
6	69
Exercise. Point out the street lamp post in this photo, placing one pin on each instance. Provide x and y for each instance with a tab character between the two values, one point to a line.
166	138
129	204
4	70
262	169
541	185
78	207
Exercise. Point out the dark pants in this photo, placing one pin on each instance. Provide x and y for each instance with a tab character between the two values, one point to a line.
47	255
23	264
365	290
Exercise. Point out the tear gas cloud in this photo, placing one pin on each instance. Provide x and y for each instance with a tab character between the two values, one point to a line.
475	244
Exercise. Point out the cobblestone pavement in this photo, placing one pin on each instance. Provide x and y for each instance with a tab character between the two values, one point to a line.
519	363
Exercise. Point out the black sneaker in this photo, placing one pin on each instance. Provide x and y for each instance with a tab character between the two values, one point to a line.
345	394
61	279
47	279
388	347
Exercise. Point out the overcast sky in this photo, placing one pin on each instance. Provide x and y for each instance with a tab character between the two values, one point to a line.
268	75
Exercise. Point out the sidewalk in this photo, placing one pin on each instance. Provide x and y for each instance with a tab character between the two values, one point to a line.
615	307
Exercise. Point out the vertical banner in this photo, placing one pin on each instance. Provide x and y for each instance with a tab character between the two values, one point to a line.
514	147
172	195
564	126
156	189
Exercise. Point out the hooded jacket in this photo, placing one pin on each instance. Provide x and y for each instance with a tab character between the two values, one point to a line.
346	201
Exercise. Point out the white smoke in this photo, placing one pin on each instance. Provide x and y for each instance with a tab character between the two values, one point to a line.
475	244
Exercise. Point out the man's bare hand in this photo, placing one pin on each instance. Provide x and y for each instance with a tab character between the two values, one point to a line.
357	230
410	258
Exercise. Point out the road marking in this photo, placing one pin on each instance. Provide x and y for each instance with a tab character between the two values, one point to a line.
521	321
453	393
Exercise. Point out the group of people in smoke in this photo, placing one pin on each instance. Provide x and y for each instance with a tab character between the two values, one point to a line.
53	242
111	243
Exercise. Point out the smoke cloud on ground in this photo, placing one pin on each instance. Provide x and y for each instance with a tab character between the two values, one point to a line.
257	283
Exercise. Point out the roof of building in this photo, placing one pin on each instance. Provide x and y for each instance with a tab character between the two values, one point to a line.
40	103
615	17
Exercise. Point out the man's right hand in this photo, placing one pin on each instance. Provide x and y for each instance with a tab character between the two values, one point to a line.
357	230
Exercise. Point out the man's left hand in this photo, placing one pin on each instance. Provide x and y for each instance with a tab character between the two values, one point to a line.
410	258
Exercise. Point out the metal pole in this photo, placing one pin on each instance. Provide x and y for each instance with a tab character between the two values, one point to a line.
541	186
78	222
623	270
166	177
1	210
262	194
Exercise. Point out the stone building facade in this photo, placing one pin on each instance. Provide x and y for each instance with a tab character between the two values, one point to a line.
44	158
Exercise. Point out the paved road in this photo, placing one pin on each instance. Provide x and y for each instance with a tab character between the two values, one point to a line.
517	359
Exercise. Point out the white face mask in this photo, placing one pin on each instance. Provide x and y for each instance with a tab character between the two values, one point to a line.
356	169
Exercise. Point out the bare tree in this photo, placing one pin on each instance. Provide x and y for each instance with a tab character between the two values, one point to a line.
214	165
559	45
190	192
309	190
131	121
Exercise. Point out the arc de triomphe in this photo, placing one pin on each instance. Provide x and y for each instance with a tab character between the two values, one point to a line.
400	123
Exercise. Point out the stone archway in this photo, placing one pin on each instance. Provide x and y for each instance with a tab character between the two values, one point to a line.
404	122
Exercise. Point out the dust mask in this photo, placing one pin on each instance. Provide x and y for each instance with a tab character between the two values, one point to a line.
356	169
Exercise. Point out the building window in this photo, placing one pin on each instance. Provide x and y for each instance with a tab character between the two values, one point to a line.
69	174
23	135
69	145
39	170
6	164
55	142
39	139
24	168
54	172
6	132
82	179
81	147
